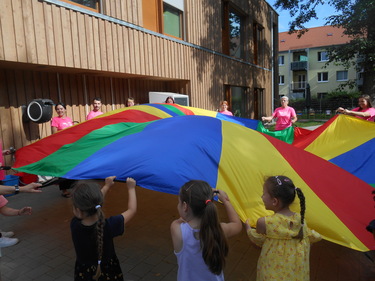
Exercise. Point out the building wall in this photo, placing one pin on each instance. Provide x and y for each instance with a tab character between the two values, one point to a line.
314	67
51	49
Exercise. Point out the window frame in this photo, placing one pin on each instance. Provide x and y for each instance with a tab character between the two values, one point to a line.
226	30
321	77
181	20
341	71
281	79
83	6
282	58
320	57
153	16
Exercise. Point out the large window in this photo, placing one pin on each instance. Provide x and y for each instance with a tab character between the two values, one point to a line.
281	60
258	38
342	75
236	96
322	76
165	17
323	56
233	32
90	4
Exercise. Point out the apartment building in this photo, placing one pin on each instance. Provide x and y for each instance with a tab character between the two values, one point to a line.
74	50
302	63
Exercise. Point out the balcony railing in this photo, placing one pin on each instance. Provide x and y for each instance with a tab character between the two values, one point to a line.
298	65
299	85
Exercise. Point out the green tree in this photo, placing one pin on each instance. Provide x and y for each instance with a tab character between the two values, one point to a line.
357	17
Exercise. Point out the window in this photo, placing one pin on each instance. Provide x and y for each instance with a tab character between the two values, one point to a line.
87	4
281	60
281	79
232	32
342	75
322	56
165	17
322	76
258	37
173	21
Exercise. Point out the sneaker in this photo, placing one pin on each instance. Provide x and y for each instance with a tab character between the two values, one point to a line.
7	242
7	234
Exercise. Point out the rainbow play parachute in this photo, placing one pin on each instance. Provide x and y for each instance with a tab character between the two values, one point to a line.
163	146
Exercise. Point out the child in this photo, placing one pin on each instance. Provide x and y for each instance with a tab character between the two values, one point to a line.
199	239
284	237
93	235
5	237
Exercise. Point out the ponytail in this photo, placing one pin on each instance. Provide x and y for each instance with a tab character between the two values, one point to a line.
99	240
213	241
199	196
303	209
88	198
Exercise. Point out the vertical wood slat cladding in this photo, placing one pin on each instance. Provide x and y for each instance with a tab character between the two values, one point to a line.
19	87
79	56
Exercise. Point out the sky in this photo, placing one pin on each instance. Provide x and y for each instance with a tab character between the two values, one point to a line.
284	18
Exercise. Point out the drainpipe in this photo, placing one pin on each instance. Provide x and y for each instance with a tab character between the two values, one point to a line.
272	64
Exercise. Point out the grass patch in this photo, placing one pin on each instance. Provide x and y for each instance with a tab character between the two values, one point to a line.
308	123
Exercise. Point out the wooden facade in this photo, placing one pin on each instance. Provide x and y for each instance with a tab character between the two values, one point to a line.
60	51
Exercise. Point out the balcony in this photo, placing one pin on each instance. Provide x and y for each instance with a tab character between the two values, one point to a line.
298	65
299	85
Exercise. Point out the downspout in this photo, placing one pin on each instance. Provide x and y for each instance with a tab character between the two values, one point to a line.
272	64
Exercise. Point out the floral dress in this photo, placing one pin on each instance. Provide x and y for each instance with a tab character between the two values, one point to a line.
284	257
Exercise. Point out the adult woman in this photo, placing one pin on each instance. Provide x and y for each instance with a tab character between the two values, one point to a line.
58	123
364	110
285	115
61	121
224	108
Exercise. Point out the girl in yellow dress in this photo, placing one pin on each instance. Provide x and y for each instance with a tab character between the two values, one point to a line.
284	237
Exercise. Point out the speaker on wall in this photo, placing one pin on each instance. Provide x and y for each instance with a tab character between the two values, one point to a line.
40	110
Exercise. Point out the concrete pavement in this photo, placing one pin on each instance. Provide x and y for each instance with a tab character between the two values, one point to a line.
45	251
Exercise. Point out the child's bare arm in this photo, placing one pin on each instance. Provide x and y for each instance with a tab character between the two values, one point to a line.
7	211
132	200
109	181
234	225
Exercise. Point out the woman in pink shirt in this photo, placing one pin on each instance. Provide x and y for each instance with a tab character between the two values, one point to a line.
365	110
285	115
61	121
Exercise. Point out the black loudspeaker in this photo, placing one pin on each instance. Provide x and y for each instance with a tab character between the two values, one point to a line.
40	110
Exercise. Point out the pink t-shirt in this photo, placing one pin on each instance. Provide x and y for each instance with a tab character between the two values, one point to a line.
61	123
226	113
370	110
93	114
3	201
284	117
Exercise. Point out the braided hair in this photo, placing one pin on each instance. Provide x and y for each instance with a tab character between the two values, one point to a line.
283	188
199	196
88	198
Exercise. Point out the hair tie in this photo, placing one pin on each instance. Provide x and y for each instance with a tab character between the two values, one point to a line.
97	206
208	200
278	180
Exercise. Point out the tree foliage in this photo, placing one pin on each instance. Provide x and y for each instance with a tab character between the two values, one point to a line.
357	17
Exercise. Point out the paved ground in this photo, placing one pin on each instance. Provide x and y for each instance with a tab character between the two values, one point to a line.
145	251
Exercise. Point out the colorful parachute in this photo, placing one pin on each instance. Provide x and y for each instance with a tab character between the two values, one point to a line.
163	153
346	141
